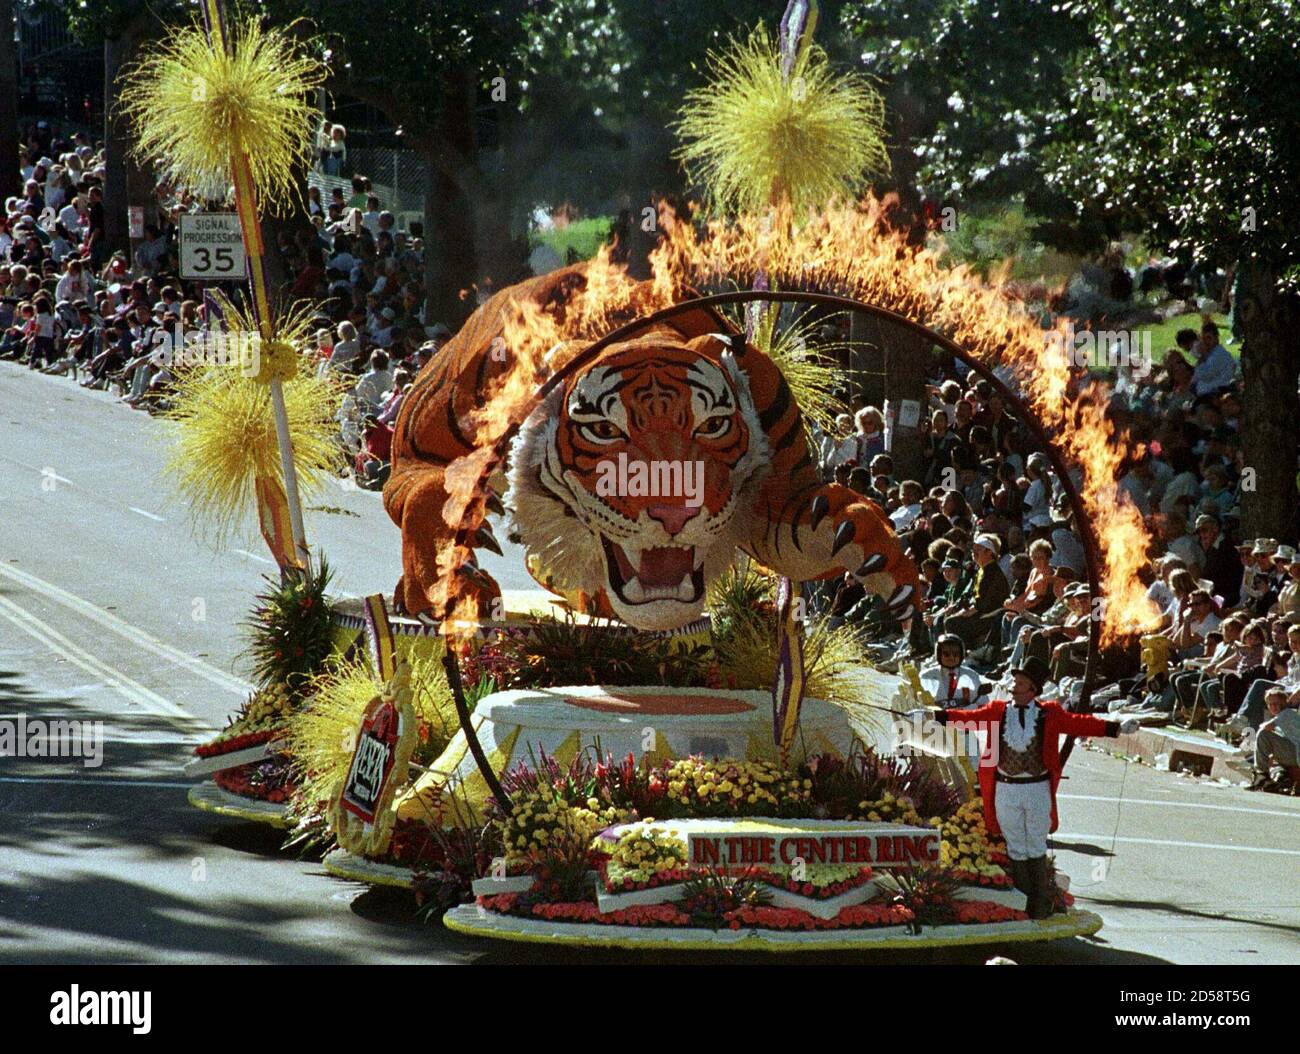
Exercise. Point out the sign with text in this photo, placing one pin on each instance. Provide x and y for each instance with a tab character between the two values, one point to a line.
373	760
880	845
212	247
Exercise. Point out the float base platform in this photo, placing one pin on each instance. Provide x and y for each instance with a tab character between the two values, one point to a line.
469	919
342	864
211	798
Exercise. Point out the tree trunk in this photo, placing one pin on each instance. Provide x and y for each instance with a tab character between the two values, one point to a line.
10	185
906	214
1270	367
450	260
125	182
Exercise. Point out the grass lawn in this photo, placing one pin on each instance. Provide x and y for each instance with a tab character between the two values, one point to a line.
1162	333
583	236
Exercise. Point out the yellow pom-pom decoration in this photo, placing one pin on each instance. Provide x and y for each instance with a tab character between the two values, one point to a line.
275	360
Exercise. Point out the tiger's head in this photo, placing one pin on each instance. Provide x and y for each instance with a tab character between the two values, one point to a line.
627	480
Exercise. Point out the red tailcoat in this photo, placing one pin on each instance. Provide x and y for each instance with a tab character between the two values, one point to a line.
1056	723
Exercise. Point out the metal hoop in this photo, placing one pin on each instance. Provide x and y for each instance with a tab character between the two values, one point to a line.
1091	546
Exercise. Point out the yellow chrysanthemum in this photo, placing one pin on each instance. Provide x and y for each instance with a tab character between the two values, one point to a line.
754	137
224	437
193	106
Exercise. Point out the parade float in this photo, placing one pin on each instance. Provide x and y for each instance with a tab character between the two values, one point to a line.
740	792
686	757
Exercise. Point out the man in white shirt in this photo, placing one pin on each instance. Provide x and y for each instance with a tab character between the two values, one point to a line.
1199	621
1173	532
376	382
1216	369
75	283
911	493
70	216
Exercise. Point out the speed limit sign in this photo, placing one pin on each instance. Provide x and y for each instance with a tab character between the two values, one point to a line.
212	246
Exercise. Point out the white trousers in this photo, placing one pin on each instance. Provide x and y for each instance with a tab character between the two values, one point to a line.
1024	812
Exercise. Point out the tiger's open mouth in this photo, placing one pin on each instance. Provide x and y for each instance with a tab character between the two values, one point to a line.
639	576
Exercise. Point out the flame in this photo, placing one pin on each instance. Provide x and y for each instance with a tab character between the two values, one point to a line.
847	249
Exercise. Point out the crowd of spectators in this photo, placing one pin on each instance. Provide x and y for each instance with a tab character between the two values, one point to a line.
1002	565
114	322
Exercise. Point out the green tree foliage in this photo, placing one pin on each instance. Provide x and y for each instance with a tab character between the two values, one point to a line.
1188	129
970	84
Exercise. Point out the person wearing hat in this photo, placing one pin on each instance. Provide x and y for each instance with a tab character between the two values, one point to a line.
1020	769
948	679
1287	563
981	608
1259	583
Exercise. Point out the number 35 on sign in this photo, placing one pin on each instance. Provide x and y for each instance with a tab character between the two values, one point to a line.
212	247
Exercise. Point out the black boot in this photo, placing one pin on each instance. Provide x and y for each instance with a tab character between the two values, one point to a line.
1039	905
1020	876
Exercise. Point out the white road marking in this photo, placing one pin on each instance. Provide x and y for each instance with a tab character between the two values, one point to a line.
106	782
108	620
60	645
1101	839
253	556
151	515
1295	815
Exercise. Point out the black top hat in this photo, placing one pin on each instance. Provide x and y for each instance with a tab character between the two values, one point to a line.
1036	669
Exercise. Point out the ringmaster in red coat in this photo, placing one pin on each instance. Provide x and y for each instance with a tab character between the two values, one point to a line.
1020	769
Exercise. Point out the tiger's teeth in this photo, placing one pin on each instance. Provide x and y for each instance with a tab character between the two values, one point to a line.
634	591
685	589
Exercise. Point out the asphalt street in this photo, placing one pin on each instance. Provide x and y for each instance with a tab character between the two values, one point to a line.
112	609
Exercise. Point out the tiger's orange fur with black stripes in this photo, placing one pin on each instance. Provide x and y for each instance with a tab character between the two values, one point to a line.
724	465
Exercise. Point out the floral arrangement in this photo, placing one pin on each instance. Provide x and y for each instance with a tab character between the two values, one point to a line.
542	824
556	830
712	897
888	809
289	639
929	893
700	787
554	651
866	782
966	846
290	629
642	855
746	916
819	881
270	780
260	719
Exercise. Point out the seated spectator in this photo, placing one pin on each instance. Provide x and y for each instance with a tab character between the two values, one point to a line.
375	383
978	612
1278	743
1220	563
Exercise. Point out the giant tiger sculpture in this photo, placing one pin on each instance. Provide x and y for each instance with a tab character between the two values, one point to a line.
674	399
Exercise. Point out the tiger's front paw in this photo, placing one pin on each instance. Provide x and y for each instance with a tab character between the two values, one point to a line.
840	532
